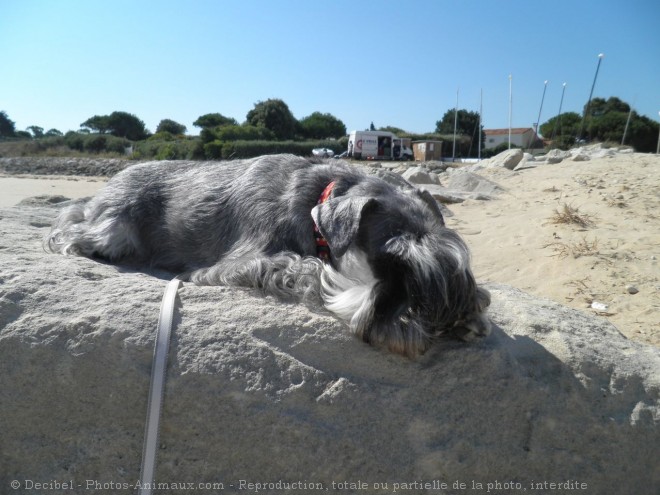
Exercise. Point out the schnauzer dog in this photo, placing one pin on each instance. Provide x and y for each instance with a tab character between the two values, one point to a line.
374	251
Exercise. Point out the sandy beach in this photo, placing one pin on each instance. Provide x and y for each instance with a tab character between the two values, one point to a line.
608	266
15	188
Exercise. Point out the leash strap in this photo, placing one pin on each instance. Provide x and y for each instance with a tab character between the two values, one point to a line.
157	387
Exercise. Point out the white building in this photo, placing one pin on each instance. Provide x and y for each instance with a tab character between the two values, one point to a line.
522	137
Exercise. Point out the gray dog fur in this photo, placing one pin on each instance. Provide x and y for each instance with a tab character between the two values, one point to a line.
396	274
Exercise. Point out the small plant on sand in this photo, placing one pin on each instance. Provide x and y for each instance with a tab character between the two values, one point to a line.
577	249
580	289
615	202
571	215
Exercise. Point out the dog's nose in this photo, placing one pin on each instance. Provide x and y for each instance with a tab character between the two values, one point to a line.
471	328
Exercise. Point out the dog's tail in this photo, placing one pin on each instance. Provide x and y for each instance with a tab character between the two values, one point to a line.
66	230
78	231
287	276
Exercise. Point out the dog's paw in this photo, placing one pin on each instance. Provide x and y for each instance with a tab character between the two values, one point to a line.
474	327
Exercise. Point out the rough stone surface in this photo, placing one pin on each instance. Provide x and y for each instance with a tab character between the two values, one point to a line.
470	182
462	185
100	167
508	159
420	175
528	161
263	391
556	156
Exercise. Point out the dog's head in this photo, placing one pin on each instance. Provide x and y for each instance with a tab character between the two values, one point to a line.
399	276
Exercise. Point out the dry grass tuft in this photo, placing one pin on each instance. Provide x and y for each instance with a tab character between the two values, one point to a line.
571	215
615	203
580	289
577	249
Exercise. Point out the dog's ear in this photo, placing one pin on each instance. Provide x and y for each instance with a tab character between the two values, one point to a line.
430	201
338	220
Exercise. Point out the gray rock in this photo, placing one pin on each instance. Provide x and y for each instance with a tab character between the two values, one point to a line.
528	161
436	166
99	167
420	175
462	185
446	196
263	391
556	156
581	157
470	182
508	159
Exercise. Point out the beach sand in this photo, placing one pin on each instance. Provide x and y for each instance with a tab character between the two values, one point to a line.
15	188
514	241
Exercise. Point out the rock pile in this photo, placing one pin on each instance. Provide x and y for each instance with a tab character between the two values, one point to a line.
265	392
98	167
464	182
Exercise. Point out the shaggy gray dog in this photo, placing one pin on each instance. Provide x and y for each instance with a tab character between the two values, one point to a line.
394	272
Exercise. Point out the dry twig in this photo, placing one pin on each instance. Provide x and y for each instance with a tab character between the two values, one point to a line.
571	215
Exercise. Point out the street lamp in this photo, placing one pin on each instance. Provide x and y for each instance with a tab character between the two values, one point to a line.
625	129
586	108
481	109
558	119
657	150
453	149
510	100
538	120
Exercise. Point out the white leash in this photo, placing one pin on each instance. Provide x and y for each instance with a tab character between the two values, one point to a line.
157	387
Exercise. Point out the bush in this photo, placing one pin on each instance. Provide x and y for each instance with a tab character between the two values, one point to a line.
213	150
167	152
116	145
236	133
249	149
95	143
74	140
161	136
175	148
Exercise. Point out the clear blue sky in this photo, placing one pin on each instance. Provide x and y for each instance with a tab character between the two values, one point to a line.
393	63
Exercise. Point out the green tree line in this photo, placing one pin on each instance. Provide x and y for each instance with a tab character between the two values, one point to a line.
271	127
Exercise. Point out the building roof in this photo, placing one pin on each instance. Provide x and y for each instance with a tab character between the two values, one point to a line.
499	132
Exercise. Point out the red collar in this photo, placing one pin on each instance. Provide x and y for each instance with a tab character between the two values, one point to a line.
322	248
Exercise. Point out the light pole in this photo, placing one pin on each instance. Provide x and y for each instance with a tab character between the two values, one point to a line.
538	120
510	101
625	129
453	149
586	108
558	119
481	109
657	149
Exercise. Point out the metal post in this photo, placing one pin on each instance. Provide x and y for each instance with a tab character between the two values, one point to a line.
558	119
481	108
625	129
657	150
453	150
510	100
538	120
586	108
